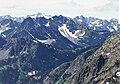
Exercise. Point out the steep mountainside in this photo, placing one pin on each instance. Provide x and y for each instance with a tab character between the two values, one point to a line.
102	67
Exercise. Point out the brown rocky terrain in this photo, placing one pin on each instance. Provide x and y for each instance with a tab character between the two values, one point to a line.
102	67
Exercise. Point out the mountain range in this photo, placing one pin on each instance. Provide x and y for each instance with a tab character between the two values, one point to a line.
45	49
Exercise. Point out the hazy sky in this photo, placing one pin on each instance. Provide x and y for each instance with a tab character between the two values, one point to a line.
97	8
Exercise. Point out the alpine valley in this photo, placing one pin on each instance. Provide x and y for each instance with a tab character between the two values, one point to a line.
45	49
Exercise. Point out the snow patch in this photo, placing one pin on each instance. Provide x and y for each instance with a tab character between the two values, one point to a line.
115	27
31	73
107	83
35	41
110	29
105	53
48	24
47	41
66	33
118	74
4	28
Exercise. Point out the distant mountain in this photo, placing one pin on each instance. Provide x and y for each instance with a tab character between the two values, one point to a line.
33	46
20	19
78	30
39	15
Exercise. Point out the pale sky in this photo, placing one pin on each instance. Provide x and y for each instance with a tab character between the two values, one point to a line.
71	8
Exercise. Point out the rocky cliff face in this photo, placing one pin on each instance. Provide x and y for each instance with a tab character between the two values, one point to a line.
102	67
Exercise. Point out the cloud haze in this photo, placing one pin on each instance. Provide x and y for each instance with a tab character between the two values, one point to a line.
97	8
